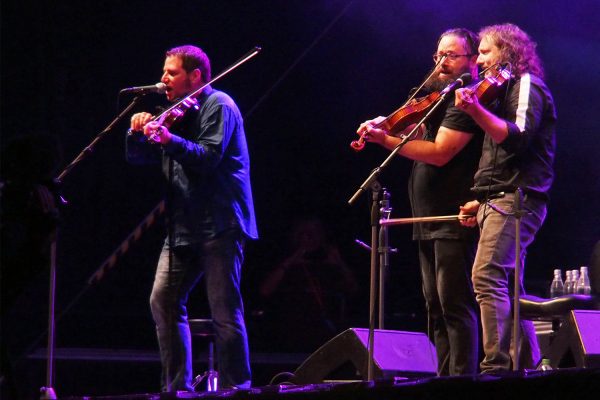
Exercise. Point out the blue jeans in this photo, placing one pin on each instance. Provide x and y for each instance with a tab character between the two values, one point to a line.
219	260
451	307
493	277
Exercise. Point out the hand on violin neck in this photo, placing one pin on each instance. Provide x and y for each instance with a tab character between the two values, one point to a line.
369	131
156	133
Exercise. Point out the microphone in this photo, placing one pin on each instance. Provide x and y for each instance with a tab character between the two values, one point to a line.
464	79
156	88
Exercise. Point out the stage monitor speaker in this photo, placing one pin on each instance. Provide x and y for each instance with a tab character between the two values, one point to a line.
345	357
577	342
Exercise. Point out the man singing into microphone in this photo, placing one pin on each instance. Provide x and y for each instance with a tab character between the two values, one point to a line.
518	152
210	214
445	159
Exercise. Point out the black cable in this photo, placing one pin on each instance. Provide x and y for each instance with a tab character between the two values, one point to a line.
286	375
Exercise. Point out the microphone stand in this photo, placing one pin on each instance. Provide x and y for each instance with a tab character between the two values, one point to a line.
369	183
47	392
375	187
517	213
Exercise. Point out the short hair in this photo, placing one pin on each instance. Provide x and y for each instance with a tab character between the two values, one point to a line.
516	48
192	57
471	38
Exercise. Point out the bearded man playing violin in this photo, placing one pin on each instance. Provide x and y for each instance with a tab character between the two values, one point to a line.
518	152
445	159
210	214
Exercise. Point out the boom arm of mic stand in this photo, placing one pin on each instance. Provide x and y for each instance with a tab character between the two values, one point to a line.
375	173
89	148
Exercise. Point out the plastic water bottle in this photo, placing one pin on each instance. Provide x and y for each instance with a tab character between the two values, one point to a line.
545	365
569	283
575	280
557	287
583	284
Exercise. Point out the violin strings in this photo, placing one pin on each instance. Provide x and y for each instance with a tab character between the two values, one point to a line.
488	68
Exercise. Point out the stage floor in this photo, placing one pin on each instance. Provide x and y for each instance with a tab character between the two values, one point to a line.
558	384
107	374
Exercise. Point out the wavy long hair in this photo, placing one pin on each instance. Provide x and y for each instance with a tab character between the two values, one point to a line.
516	47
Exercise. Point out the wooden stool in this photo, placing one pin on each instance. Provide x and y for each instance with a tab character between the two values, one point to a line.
205	328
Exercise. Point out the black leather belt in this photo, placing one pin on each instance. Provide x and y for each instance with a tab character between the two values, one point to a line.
484	196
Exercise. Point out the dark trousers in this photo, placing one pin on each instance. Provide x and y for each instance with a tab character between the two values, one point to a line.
219	261
451	307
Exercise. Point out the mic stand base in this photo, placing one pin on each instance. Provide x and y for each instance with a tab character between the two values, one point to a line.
47	393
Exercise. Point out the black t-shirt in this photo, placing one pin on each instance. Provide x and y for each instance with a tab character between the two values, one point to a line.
436	191
524	159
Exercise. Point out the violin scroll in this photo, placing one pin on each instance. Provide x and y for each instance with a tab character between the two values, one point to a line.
358	145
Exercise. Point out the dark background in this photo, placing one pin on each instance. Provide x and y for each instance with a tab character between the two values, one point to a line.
325	67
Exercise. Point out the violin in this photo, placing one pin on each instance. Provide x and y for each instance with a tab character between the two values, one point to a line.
406	115
486	90
489	88
175	113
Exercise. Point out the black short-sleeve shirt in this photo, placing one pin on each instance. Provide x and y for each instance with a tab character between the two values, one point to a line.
436	191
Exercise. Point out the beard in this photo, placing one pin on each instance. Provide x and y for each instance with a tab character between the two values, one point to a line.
439	82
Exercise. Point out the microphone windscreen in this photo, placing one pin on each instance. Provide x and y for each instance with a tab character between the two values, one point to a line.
161	87
466	78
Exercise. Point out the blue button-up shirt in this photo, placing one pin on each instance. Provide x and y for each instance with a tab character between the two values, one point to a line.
210	190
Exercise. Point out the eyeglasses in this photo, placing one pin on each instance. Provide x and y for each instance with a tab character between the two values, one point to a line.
449	56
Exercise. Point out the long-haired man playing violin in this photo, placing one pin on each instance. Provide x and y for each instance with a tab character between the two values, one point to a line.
518	152
210	214
445	158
